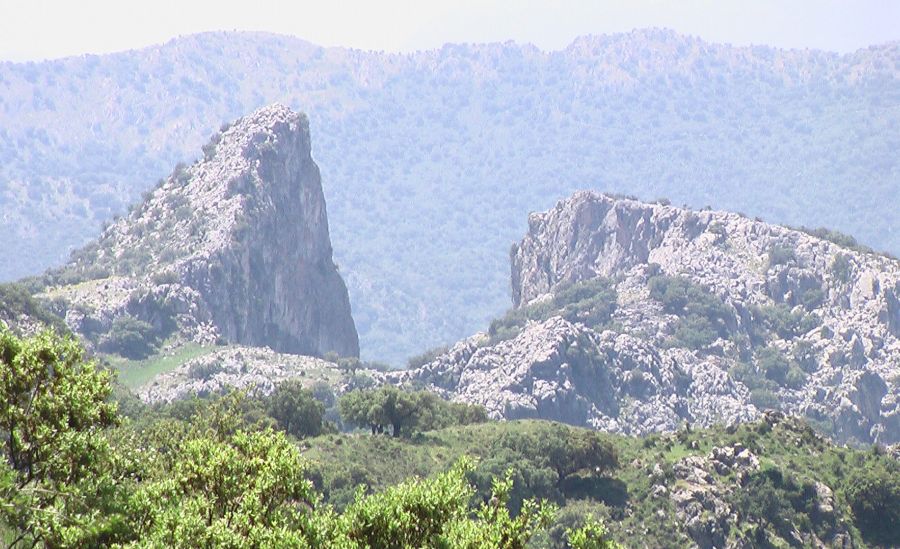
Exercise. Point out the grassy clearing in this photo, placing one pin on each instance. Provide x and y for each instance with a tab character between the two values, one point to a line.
135	373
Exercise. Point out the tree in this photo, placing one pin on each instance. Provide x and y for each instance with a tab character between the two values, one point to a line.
53	409
436	513
379	408
564	450
131	338
244	490
873	492
404	411
296	410
592	535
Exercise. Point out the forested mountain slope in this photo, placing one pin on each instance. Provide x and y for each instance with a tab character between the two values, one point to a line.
431	160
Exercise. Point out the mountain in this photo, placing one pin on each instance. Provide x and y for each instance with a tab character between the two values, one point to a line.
232	249
432	160
637	317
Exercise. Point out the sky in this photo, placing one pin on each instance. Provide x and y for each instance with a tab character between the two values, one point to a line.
41	29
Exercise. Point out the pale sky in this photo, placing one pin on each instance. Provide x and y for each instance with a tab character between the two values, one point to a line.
40	29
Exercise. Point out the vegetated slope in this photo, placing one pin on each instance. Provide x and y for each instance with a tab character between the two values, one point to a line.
769	483
432	159
234	248
636	317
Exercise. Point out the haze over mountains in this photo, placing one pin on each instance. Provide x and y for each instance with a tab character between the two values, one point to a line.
431	161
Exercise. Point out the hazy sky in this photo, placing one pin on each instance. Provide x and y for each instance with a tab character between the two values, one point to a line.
38	29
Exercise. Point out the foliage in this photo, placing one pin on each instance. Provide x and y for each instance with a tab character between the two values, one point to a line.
873	492
247	489
425	357
702	316
403	411
16	300
591	302
592	535
788	323
296	410
837	237
781	255
131	338
53	407
206	482
841	267
779	502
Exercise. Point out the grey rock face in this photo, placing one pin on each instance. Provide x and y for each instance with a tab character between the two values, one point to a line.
566	372
251	369
645	382
234	247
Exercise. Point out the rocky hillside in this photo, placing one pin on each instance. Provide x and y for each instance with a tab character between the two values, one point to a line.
637	317
446	151
234	248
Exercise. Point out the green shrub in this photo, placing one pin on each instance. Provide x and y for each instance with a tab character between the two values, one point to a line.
296	410
703	317
426	357
204	370
785	321
131	338
591	302
15	300
873	492
812	298
842	268
780	255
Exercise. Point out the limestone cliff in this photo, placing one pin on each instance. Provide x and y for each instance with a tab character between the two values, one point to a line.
233	248
716	317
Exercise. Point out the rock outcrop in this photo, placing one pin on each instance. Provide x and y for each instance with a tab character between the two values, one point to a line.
234	248
254	370
566	372
786	302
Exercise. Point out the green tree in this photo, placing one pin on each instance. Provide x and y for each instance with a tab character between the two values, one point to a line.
244	490
592	535
53	409
873	492
296	409
404	411
131	338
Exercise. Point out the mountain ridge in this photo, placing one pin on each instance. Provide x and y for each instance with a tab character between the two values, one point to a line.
510	129
699	316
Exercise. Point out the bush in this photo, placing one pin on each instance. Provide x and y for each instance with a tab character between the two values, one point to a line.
703	317
773	364
296	410
132	338
204	370
812	298
404	411
591	302
781	255
784	321
842	268
873	492
426	357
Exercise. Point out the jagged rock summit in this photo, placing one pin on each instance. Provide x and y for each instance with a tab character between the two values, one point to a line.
715	317
233	248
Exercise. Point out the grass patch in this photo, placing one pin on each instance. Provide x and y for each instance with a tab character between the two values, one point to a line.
135	373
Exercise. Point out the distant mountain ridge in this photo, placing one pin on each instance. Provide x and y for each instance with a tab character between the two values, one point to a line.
432	159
